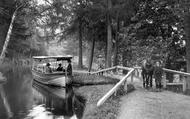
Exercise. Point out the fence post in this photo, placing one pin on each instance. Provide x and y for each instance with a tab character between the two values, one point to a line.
132	76
137	72
184	84
116	70
125	85
164	80
115	93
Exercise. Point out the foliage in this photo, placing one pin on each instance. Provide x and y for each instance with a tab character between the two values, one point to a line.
149	28
155	29
140	28
23	42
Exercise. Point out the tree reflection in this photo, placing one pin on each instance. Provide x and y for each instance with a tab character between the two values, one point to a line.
17	90
5	102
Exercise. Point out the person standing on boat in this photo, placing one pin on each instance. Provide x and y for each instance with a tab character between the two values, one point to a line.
48	68
69	68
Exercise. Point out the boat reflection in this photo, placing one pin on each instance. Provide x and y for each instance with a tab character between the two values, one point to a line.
56	103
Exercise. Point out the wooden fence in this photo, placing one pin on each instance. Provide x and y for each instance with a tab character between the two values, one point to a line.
104	70
122	81
165	81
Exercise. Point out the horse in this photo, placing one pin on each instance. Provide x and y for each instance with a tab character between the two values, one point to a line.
147	73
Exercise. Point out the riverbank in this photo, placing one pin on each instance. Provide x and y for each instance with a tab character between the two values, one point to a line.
110	109
86	79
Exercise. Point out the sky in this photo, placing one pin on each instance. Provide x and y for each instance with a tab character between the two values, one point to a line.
42	1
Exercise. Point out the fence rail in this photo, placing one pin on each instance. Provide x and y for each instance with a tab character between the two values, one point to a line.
104	70
114	89
111	68
165	83
176	72
122	81
171	71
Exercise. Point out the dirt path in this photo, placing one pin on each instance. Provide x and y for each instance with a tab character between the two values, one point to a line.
143	104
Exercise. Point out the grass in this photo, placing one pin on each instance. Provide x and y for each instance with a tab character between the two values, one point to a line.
92	95
85	79
110	109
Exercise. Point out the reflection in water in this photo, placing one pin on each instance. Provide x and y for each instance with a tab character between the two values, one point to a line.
5	102
18	92
31	100
59	102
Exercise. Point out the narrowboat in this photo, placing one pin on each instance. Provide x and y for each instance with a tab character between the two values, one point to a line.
52	70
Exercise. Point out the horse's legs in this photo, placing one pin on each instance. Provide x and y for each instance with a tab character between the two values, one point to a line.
150	80
143	77
156	82
159	84
147	81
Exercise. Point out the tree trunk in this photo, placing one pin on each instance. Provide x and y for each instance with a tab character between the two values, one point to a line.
105	52
125	60
9	32
91	54
109	36
115	60
80	64
8	36
187	29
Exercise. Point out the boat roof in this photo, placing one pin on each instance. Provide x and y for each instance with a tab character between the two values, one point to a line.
68	57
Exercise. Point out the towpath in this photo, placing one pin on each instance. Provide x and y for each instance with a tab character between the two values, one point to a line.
144	104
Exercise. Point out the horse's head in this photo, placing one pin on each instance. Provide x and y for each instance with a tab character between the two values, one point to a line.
148	63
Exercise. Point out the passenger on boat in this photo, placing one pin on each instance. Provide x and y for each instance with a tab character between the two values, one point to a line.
60	68
48	68
69	68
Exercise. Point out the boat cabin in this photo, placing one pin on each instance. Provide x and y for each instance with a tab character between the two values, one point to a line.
52	64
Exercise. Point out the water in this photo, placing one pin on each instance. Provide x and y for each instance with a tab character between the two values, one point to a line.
22	98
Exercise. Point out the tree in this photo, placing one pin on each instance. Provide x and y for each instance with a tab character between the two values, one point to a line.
80	31
187	28
22	30
77	26
109	35
5	12
92	51
153	26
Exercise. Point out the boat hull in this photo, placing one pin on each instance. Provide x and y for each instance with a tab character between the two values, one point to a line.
53	79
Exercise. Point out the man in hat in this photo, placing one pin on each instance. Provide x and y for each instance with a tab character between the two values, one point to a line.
60	68
158	72
48	68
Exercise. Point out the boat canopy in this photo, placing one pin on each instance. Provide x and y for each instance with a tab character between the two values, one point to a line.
58	58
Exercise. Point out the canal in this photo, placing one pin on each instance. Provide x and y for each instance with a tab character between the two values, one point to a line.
22	98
